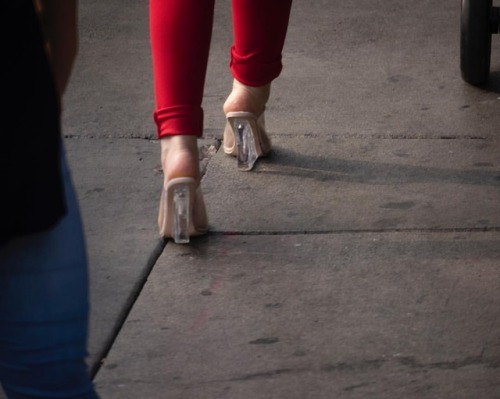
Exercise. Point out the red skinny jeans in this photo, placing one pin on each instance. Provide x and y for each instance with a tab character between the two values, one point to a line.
180	32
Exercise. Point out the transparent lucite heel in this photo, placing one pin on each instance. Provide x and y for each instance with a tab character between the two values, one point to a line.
245	141
181	214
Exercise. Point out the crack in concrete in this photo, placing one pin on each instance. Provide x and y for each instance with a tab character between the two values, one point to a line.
109	137
134	295
492	229
411	362
356	366
361	366
357	386
266	374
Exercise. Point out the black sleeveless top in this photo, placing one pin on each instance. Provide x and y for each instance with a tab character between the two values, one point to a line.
31	191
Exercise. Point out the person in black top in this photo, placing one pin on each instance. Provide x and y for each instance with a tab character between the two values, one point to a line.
44	302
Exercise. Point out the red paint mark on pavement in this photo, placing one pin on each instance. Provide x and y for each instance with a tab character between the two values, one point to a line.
202	319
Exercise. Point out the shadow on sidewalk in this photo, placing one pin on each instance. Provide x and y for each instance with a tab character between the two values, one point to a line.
286	162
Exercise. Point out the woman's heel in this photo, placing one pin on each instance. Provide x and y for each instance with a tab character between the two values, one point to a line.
245	134
182	210
245	144
181	214
246	138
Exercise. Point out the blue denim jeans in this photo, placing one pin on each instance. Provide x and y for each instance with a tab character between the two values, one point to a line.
44	311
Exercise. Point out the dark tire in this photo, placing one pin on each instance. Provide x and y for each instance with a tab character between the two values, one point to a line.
475	41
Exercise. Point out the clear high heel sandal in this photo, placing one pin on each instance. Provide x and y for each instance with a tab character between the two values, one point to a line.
182	211
245	137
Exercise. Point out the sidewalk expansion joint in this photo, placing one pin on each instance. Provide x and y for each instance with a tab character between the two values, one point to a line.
493	229
134	295
383	136
148	137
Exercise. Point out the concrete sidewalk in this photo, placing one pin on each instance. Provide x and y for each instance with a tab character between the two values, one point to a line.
360	260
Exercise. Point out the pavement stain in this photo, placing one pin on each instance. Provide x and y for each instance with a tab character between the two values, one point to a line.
95	190
357	386
203	317
266	374
398	205
483	164
265	341
448	365
355	366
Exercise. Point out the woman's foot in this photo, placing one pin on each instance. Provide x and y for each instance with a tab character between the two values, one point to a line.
245	133
247	98
182	212
179	157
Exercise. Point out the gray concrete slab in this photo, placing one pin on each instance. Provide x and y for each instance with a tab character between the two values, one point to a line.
359	69
345	315
118	183
328	184
368	68
111	89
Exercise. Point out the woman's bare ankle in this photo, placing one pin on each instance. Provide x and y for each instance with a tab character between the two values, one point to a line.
179	156
247	98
